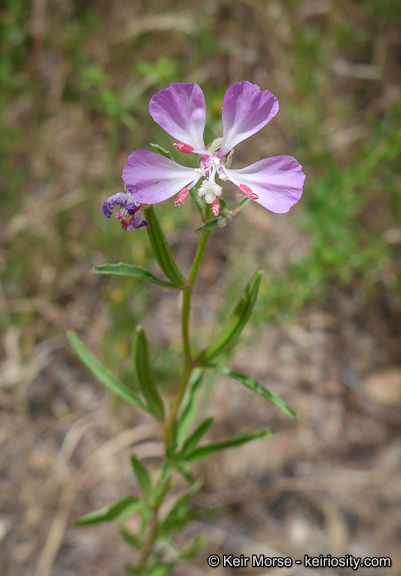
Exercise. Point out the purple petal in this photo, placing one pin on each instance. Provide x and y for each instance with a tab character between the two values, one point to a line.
137	222
246	109
152	178
121	199
181	111
278	182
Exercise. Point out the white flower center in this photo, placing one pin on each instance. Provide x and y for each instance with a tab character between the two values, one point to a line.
210	190
210	168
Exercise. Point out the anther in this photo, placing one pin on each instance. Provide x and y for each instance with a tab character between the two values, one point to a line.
215	206
182	196
248	192
185	148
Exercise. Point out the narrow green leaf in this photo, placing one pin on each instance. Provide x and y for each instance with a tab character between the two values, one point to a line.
142	475
185	473
119	510
154	566
180	505
198	202
244	202
192	549
208	225
130	569
144	374
229	159
209	449
188	412
257	387
162	151
161	249
138	272
160	569
223	204
131	539
215	145
236	322
146	515
103	374
193	440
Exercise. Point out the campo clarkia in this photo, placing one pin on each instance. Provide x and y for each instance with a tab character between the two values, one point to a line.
275	183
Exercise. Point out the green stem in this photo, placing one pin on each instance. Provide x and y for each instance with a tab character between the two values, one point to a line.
153	528
188	362
149	541
188	367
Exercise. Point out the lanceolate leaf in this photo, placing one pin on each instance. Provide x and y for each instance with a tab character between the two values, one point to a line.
243	203
193	440
183	469
198	202
188	413
141	475
161	249
181	505
208	225
209	449
236	322
131	539
162	151
145	375
257	387
103	374
119	510
122	269
192	549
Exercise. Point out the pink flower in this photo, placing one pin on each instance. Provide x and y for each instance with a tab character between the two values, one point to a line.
275	183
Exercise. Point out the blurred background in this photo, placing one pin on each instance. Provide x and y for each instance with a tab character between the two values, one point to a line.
76	78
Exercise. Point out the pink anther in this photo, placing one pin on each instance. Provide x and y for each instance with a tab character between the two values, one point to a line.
185	148
182	196
215	206
248	192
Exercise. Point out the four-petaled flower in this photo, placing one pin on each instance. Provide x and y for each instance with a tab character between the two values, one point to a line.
275	183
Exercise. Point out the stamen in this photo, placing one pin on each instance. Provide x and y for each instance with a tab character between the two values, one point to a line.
215	206
248	192
182	196
185	148
125	223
